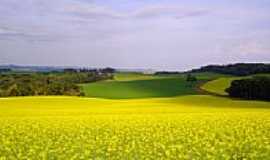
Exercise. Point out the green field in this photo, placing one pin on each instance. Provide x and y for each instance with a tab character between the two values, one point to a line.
220	84
163	87
185	126
131	76
135	85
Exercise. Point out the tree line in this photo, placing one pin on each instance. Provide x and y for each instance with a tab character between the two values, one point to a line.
4	70
60	83
239	69
254	88
166	73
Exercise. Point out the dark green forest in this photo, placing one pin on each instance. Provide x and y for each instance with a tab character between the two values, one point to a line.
257	87
239	69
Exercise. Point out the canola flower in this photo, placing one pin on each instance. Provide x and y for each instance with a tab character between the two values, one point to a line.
172	136
140	134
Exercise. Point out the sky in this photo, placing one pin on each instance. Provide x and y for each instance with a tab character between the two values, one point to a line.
146	34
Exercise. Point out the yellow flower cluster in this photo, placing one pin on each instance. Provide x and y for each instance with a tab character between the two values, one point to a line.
239	135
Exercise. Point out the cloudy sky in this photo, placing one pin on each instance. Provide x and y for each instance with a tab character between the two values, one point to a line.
157	34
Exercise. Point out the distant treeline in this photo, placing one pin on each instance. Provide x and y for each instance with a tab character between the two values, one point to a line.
18	68
252	88
85	70
166	73
239	69
4	70
62	83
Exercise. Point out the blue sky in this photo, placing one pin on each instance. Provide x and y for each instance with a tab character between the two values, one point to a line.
157	34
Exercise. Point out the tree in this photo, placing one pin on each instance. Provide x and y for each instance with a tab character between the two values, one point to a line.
191	78
108	70
70	70
239	69
64	83
252	88
14	92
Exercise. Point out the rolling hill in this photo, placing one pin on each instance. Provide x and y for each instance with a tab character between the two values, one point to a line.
135	85
219	85
185	126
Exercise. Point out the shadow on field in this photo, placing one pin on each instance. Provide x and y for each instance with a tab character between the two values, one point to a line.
163	87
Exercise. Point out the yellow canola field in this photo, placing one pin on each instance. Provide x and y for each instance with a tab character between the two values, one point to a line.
189	127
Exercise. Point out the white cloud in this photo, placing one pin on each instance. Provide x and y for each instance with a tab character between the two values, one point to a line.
93	11
5	30
170	11
148	34
66	19
90	11
253	47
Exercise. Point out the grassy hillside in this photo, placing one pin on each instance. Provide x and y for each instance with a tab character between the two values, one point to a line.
219	85
158	87
135	85
187	127
132	76
210	75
